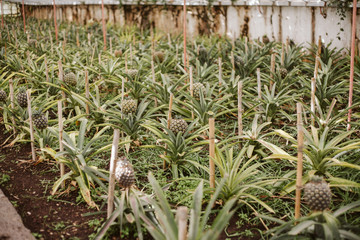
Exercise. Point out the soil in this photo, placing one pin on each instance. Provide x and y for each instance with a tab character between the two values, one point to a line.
28	189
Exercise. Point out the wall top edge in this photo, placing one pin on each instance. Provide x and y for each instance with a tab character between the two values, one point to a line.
284	3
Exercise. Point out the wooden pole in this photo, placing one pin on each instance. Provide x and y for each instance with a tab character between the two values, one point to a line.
12	103
240	110
182	218
87	92
220	71
23	13
28	96
299	169
169	120
232	60
61	145
212	149
61	76
113	158
351	87
191	89
55	23
312	105
185	35
2	14
153	77
77	39
258	77
282	55
103	23
110	42
272	69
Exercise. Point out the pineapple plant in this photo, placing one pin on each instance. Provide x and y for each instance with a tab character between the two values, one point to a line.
317	194
70	79
203	54
159	56
128	106
198	88
40	120
22	98
239	61
178	125
132	72
124	173
3	96
283	72
118	53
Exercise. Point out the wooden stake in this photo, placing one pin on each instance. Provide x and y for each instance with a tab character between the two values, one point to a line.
113	159
110	41
169	120
246	46
212	149
51	42
87	92
258	83
282	55
61	76
272	69
184	32
169	40
319	46
182	218
28	96
240	110
61	145
352	62
2	14
103	23
220	71
77	39
46	70
299	169
312	104
23	13
191	89
232	60
153	78
55	23
12	103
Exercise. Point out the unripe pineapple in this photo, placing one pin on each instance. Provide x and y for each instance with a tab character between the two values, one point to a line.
22	98
239	61
159	56
203	54
32	42
132	72
3	96
124	173
283	72
128	106
118	53
317	194
265	39
40	121
70	79
178	125
198	89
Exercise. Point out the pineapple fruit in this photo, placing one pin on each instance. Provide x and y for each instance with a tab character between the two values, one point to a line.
22	98
3	96
118	53
124	173
283	72
178	125
40	121
70	79
128	106
265	39
132	72
317	194
198	88
159	56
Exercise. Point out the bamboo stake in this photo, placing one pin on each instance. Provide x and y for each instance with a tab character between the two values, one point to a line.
240	110
353	33
61	145
272	69
2	14
87	92
212	149
61	76
89	39
282	55
103	23
191	89
77	39
312	106
220	71
153	78
113	158
51	42
184	30
299	170
169	40
319	46
182	217
232	60
23	12
258	83
28	96
55	23
11	87
110	42
46	70
169	120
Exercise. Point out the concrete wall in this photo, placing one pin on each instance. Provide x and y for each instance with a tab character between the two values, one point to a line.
301	23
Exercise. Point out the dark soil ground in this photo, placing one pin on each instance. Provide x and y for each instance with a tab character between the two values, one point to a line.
28	186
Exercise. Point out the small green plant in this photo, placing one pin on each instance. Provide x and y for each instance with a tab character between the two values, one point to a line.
4	178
